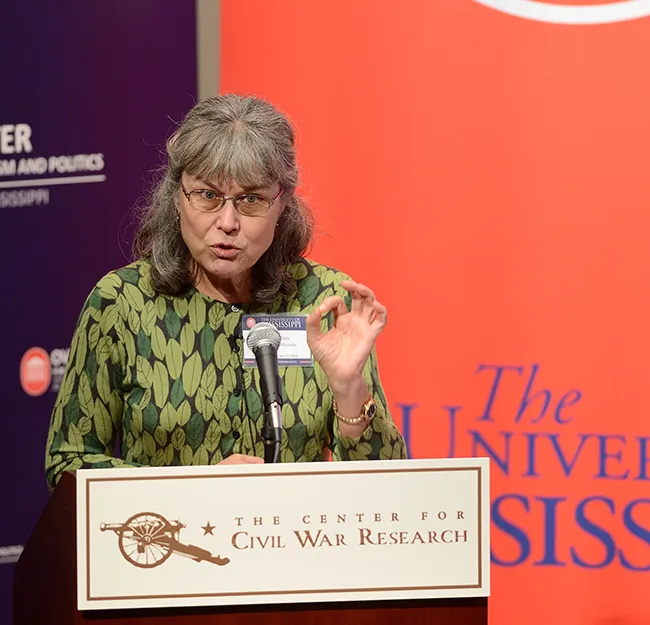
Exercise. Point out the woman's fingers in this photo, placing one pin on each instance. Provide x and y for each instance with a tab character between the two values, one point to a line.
242	459
362	296
334	303
380	314
364	304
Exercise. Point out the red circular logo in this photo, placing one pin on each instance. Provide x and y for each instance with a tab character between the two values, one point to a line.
35	371
250	322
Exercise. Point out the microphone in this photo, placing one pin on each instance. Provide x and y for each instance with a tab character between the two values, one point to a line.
264	340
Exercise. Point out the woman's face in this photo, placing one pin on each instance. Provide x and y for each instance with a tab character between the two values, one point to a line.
225	243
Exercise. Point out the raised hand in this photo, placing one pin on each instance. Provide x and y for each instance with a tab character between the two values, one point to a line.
343	350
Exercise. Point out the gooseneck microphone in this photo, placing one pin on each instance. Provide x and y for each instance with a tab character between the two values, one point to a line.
264	340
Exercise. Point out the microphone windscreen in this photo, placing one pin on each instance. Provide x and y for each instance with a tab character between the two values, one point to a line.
263	334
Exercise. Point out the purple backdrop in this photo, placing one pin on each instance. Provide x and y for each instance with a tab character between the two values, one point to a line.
87	78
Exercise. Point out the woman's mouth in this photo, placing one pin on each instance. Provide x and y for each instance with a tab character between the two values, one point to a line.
225	252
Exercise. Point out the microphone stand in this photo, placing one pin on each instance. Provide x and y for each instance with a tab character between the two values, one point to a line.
272	432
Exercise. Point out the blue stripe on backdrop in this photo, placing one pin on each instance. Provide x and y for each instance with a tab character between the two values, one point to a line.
89	90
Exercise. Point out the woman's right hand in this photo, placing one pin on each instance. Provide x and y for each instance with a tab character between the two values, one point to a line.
242	459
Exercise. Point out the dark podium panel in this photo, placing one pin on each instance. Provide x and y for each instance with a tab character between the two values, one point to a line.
45	591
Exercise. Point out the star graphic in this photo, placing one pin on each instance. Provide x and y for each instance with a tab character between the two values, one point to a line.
207	529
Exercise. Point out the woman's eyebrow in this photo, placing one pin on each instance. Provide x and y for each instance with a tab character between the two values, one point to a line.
244	188
209	184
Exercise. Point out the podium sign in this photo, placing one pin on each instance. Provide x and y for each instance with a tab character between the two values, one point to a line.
282	533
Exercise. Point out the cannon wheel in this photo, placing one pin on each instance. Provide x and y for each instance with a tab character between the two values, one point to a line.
139	542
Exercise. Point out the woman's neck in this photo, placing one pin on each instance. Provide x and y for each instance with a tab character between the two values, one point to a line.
233	291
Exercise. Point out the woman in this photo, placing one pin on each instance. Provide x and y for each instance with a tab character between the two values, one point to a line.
156	360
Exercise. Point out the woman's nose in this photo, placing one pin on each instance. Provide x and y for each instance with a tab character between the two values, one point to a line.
227	217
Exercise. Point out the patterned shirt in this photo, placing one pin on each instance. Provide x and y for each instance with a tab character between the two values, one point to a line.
164	376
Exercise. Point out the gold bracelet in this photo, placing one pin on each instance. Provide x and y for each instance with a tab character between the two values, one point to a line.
368	411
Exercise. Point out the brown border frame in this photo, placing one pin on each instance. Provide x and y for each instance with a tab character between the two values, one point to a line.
478	471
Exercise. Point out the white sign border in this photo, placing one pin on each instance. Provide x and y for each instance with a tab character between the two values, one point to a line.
86	477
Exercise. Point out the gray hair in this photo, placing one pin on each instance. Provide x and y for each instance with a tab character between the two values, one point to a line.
222	139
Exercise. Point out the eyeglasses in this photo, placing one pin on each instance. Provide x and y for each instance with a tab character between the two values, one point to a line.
248	204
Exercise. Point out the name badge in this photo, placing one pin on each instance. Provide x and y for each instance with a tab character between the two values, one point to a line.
293	350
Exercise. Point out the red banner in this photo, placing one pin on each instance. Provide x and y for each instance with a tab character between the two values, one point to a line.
482	165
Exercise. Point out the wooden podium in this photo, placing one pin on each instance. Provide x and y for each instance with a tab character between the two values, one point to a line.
46	589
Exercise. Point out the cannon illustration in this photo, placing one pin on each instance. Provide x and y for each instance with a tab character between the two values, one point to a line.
147	539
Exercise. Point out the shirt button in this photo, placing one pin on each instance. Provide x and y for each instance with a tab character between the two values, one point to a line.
236	434
236	391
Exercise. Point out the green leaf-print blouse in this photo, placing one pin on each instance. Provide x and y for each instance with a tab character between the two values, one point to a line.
164	376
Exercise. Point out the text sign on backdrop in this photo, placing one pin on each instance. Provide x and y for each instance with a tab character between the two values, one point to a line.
249	534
